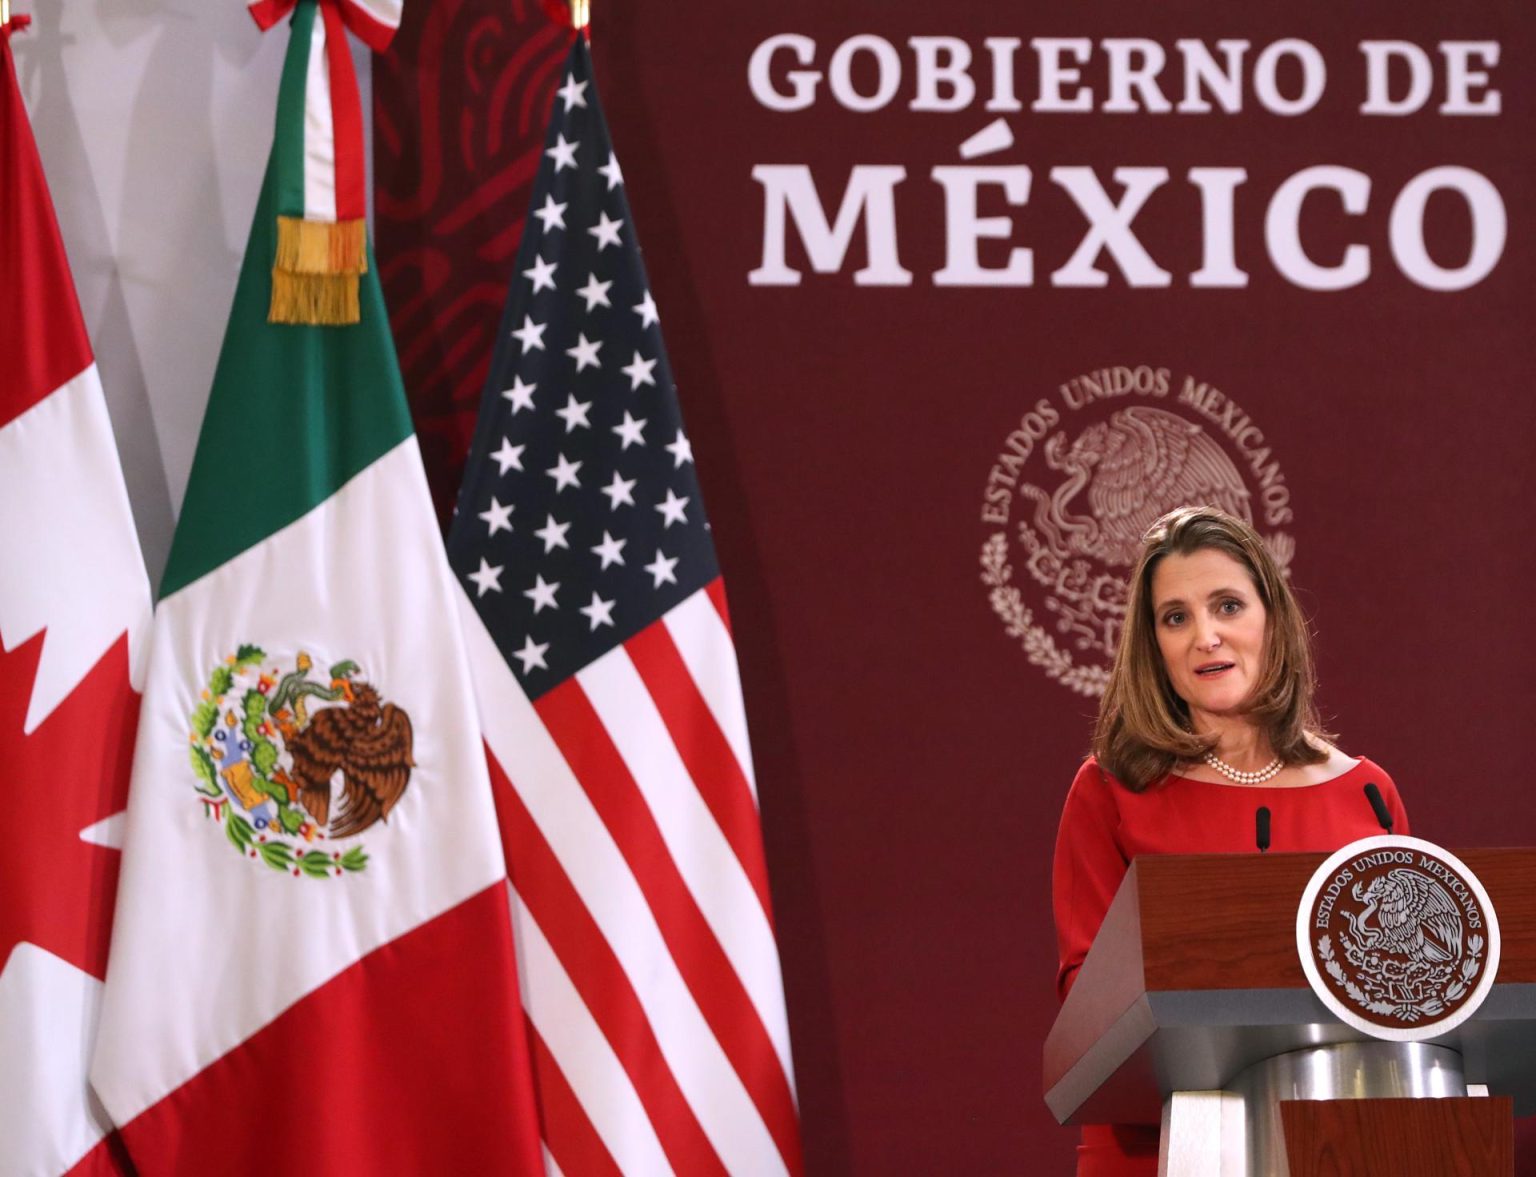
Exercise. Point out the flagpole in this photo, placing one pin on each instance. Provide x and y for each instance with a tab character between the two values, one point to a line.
5	12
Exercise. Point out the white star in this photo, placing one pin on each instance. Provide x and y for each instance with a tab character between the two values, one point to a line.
595	292
646	309
629	431
487	579
520	395
532	654
563	153
572	92
574	413
585	352
611	170
530	334
543	275
564	474
609	551
681	450
639	372
673	510
509	456
498	518
606	231
553	535
599	612
661	569
620	490
551	213
542	594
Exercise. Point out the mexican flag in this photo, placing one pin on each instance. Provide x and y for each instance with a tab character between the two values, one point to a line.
312	966
74	615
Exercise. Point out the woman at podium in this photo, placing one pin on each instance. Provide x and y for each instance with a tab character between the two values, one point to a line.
1207	717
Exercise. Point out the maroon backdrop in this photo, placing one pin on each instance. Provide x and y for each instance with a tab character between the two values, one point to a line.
920	691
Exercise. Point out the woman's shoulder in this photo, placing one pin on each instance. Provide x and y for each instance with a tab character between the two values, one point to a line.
1096	781
1093	775
1344	769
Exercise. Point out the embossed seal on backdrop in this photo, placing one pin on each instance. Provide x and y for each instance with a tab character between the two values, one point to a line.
1398	938
272	740
1078	481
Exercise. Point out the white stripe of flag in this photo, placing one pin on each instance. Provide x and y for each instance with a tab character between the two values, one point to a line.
595	867
591	1068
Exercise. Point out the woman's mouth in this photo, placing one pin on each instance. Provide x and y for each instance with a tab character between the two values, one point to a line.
1212	669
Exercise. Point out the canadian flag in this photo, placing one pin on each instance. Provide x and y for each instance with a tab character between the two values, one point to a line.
74	610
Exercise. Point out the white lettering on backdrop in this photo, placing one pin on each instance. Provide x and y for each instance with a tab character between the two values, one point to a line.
1287	78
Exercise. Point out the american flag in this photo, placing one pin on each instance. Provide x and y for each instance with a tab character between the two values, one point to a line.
608	690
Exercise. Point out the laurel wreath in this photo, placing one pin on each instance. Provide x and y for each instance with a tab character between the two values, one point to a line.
1431	1007
1019	622
314	864
279	855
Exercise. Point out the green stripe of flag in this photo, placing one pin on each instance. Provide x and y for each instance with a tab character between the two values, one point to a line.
295	412
288	146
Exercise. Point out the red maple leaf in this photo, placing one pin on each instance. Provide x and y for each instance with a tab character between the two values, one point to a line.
56	890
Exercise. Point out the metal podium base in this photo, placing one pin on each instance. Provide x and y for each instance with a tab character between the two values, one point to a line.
1237	1132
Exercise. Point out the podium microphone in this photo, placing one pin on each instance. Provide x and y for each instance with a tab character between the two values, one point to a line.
1261	828
1383	816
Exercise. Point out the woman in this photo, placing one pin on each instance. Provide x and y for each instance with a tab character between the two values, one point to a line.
1208	714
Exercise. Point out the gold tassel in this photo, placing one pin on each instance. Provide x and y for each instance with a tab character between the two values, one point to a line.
315	276
322	247
328	300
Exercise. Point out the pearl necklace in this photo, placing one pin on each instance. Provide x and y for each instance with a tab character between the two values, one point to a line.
1268	772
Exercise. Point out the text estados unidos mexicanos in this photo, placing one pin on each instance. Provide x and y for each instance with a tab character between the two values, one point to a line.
1135	76
1448	878
1144	381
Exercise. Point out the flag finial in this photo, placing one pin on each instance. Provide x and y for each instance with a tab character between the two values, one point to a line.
581	14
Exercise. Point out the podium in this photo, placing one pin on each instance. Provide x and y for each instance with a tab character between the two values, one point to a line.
1192	1011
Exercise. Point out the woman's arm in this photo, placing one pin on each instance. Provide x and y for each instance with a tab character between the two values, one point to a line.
1088	868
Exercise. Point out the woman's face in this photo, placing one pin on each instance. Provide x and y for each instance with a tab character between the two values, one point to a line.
1210	626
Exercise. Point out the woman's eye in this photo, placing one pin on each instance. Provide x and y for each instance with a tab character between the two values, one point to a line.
1230	606
1173	619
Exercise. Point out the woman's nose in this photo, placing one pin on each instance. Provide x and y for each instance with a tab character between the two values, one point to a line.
1206	638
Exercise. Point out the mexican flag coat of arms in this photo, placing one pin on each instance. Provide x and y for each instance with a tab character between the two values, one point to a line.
312	966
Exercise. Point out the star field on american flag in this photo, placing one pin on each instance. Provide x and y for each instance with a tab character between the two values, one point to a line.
579	521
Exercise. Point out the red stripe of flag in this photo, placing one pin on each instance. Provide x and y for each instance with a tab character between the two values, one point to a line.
346	120
572	1140
42	336
706	753
717	989
595	970
109	1158
364	1052
716	591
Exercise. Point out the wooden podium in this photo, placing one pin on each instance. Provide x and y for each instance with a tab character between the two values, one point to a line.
1193	985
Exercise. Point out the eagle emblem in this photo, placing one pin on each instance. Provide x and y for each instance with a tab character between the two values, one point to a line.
290	759
1397	937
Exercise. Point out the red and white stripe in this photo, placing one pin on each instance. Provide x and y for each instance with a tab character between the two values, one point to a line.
651	976
335	180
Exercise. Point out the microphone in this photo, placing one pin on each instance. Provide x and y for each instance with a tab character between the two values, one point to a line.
1383	816
1261	828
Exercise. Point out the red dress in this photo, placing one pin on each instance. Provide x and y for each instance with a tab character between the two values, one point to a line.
1104	826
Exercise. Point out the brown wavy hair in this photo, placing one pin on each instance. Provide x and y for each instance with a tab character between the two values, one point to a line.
1143	728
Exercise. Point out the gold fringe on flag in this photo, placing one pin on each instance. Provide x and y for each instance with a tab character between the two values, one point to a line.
314	279
327	300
